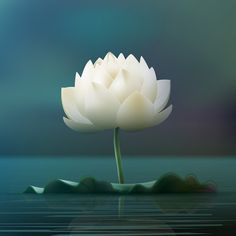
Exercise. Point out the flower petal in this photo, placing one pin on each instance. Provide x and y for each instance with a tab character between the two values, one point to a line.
82	88
98	62
149	87
143	64
102	77
132	65
163	94
131	60
135	113
163	115
124	84
111	64
77	78
70	105
77	126
101	107
121	58
88	71
110	57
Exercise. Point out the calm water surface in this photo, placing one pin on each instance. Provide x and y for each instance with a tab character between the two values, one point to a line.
27	214
117	215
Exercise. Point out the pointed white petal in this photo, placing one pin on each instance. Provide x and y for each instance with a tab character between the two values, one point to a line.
143	64
77	126
111	64
98	62
77	79
110	57
124	84
101	107
101	76
135	113
149	87
163	94
121	58
131	59
88	71
70	106
132	65
163	115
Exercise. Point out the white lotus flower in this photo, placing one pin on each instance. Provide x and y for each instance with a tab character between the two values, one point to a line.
116	92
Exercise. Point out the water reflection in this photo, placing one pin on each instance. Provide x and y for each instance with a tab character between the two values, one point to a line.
121	215
166	203
126	214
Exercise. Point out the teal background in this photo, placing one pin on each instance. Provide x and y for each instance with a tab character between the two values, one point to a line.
190	42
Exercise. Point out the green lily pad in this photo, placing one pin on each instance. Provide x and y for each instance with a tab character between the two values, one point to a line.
170	183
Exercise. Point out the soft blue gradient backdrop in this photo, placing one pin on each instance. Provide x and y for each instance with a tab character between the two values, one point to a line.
190	42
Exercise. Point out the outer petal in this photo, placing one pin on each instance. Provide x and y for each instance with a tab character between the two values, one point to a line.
149	87
135	113
88	71
82	88
77	126
163	115
143	64
163	94
70	105
101	107
77	79
124	84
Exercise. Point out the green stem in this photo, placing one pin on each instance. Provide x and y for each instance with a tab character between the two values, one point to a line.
116	141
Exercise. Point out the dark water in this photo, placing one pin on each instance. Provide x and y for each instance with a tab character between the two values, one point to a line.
117	215
22	214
